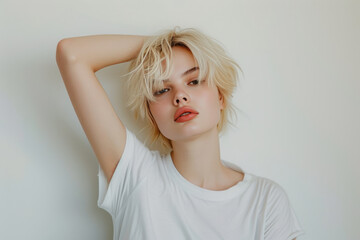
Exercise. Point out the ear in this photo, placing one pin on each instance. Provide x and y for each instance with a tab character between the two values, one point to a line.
221	101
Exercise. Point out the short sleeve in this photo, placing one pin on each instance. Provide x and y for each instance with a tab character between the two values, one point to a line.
136	161
281	222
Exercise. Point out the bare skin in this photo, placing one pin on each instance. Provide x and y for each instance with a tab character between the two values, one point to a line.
203	168
78	59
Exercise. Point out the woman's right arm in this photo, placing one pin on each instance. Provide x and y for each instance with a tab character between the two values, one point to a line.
78	59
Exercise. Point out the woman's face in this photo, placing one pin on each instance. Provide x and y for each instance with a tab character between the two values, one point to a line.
185	108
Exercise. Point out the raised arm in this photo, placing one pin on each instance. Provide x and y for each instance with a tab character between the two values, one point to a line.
78	59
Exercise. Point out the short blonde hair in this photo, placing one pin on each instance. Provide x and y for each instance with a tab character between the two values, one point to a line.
147	73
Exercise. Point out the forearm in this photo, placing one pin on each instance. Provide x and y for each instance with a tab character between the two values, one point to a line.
99	51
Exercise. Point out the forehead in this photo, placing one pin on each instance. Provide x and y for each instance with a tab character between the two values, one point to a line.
182	55
182	60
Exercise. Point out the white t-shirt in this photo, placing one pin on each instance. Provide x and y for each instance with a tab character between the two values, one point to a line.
149	199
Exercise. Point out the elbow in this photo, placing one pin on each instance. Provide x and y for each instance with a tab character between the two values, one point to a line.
64	54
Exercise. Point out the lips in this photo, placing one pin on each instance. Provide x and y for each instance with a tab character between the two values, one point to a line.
184	114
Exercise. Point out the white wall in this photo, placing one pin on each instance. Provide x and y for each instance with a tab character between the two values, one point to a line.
299	102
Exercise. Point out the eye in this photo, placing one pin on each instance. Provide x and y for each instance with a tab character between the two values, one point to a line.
157	93
194	82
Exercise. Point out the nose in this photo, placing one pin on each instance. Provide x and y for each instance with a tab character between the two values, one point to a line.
181	97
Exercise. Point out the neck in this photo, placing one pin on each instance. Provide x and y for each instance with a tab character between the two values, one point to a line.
198	160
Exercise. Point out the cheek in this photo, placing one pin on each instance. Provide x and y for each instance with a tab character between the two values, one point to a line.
211	98
212	105
157	111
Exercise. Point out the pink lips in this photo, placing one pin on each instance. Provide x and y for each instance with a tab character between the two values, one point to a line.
190	114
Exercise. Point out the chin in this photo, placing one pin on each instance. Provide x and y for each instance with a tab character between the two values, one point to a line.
190	133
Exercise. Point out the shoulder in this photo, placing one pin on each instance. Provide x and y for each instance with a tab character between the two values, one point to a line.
264	184
272	202
138	146
269	192
279	217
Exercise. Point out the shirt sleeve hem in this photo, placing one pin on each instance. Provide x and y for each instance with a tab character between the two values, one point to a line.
104	187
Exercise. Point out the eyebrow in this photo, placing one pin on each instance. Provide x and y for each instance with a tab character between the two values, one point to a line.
187	72
190	71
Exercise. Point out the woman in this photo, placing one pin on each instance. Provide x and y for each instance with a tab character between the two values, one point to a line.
180	84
